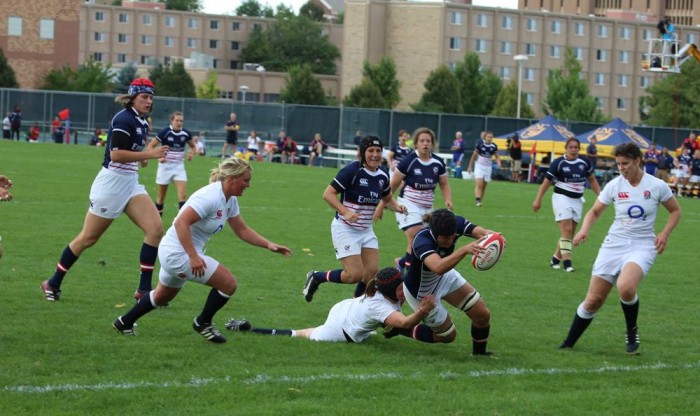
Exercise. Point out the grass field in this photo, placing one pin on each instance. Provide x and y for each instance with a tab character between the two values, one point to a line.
64	358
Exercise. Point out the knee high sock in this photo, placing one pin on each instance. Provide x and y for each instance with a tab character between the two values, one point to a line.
328	276
148	257
142	307
64	264
420	332
480	337
270	331
181	203
631	311
360	289
215	301
582	319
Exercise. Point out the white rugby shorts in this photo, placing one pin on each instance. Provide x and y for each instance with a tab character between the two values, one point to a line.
414	217
615	252
168	172
449	282
483	172
111	191
175	267
566	208
348	241
332	329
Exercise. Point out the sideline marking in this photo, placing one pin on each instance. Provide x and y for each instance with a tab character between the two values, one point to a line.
263	379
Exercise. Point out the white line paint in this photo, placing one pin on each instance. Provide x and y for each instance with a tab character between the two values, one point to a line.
265	379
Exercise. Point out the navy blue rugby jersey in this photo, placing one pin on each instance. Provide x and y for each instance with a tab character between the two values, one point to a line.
419	279
569	176
177	141
360	190
127	121
421	178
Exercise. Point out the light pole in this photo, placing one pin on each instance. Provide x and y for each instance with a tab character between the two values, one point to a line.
519	59
244	89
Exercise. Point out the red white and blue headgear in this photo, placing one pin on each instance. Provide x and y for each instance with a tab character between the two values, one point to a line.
387	280
141	86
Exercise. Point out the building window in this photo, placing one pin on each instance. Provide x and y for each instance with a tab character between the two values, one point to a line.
14	26
99	16
214	24
530	49
123	18
456	18
530	98
452	66
482	20
531	25
257	26
578	54
122	38
99	37
507	22
214	63
225	94
46	27
599	79
235	46
169	41
505	72
121	58
455	44
145	59
480	45
643	82
213	44
579	29
599	103
191	43
233	65
646	34
507	48
97	56
625	32
147	19
624	57
555	51
602	31
170	21
691	37
235	26
192	23
601	55
621	104
271	98
556	26
622	80
529	74
145	39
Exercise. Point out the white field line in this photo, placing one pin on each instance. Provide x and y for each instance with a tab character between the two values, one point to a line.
265	379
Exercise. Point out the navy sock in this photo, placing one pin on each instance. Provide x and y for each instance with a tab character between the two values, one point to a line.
148	257
329	276
567	264
480	336
270	331
360	289
142	307
64	264
577	327
555	260
181	203
159	207
631	312
215	301
420	332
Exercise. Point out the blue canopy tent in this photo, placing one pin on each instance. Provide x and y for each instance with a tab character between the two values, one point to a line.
612	134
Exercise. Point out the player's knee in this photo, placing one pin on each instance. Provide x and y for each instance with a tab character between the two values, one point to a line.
353	275
228	287
446	336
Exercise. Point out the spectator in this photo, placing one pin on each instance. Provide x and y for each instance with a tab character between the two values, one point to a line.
457	149
276	149
33	136
289	150
665	165
688	143
515	148
651	160
198	147
7	127
316	149
202	142
232	128
683	170
358	138
253	143
95	139
54	124
695	171
592	151
16	122
59	134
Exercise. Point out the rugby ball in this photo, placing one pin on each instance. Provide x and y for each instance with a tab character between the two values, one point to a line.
493	245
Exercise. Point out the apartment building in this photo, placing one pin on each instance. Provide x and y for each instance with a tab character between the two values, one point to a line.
422	36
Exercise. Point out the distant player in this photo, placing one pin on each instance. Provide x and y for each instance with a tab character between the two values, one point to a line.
631	246
481	163
171	168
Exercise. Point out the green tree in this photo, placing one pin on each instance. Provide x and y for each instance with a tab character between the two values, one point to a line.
365	95
568	97
123	78
7	74
507	103
490	86
292	41
442	93
250	8
302	87
90	77
283	11
479	87
173	80
209	89
183	5
672	101
313	11
340	18
383	76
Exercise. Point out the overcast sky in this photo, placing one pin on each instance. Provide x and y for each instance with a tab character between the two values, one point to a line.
228	7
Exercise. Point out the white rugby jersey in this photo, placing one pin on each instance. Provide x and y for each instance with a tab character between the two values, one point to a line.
214	210
635	207
365	314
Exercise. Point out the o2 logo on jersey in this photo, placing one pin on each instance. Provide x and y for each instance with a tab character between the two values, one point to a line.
635	212
623	195
219	214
